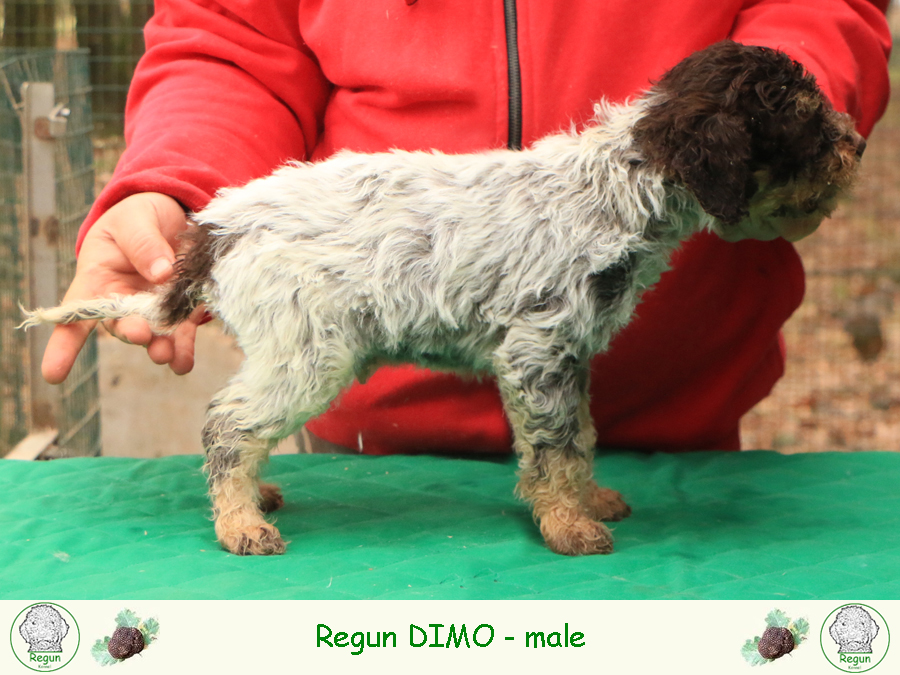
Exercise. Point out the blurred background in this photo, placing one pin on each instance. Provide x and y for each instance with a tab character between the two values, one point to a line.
841	390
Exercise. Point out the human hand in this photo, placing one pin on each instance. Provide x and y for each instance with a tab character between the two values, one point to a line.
781	211
129	249
765	227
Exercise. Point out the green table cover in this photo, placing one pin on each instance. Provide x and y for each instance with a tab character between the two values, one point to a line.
748	525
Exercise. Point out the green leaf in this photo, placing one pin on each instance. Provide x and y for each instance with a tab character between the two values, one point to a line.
128	619
750	652
778	619
100	652
149	629
799	629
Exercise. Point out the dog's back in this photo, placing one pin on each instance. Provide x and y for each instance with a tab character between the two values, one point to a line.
408	251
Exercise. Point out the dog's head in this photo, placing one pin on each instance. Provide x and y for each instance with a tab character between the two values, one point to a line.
853	624
749	133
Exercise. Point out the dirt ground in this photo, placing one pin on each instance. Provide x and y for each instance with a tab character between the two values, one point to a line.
841	389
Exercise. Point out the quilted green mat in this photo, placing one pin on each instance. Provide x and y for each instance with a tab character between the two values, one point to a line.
705	525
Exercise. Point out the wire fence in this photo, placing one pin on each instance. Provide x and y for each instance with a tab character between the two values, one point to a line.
13	414
111	30
78	417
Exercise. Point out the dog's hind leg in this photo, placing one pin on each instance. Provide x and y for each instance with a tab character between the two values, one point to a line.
544	389
233	459
270	498
261	405
604	504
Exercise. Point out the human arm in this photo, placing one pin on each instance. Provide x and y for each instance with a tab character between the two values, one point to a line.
226	91
845	44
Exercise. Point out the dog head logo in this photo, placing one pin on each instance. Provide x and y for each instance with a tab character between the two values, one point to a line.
855	638
44	637
44	629
854	629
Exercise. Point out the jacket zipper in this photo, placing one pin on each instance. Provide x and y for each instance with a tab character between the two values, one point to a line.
514	72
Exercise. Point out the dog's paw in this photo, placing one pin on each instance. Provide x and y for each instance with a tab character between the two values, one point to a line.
263	540
249	535
604	504
270	498
572	532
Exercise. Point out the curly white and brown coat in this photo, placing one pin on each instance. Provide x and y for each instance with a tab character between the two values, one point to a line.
521	265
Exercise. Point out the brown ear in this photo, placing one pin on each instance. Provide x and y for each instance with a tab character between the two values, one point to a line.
717	116
711	158
708	152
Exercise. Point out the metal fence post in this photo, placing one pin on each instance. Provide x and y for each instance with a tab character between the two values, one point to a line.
40	241
46	190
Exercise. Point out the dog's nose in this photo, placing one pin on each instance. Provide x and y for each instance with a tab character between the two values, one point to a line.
860	147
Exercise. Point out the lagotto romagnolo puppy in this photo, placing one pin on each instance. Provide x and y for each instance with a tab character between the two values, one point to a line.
521	265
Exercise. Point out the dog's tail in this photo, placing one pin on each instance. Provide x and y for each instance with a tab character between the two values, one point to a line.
144	305
193	270
163	309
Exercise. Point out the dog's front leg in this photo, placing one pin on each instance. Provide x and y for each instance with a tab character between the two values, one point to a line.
544	388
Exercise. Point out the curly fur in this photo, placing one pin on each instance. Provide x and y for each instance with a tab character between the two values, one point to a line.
518	264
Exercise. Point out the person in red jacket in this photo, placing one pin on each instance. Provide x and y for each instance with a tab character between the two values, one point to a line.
230	89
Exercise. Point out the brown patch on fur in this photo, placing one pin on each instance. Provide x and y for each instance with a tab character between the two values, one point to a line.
730	110
554	479
604	504
193	269
270	498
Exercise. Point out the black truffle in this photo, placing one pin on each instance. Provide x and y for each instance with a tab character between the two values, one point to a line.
775	643
125	643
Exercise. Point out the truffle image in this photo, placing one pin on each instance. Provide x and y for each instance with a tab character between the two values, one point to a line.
132	635
781	636
854	629
44	629
125	643
775	643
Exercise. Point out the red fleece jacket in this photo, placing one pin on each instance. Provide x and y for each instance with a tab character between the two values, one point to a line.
230	89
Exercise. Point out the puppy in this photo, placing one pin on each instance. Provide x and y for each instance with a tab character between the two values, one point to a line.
521	265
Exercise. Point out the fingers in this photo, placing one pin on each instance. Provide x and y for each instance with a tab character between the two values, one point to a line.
145	231
147	250
66	341
183	359
145	227
176	350
795	230
129	249
184	338
161	349
132	330
768	228
62	349
151	251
